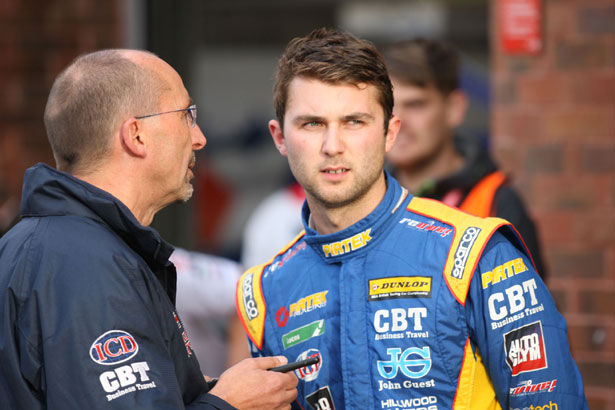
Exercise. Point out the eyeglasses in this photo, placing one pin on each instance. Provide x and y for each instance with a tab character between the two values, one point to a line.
190	114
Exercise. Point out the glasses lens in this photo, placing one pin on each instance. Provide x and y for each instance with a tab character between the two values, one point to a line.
192	114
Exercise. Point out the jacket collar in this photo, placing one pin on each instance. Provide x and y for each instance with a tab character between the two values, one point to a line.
50	192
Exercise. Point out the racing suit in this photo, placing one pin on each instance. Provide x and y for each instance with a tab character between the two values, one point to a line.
87	307
416	306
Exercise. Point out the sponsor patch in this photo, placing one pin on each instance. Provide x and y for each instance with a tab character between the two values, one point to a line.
503	272
525	349
418	403
344	246
185	338
303	333
528	387
249	304
304	305
414	363
400	287
550	406
427	226
309	373
126	379
463	250
512	304
321	399
113	347
281	316
400	320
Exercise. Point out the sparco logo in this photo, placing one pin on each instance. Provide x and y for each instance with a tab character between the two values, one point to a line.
463	250
248	298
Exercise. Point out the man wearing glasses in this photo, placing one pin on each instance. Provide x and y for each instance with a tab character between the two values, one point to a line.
87	292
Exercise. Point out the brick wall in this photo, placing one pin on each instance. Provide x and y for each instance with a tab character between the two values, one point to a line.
553	129
38	38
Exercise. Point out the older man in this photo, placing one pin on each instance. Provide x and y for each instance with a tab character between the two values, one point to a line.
87	290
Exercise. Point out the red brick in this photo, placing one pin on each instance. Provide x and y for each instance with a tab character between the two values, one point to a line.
597	373
597	87
597	19
545	159
599	159
544	88
598	302
579	122
595	228
577	263
594	338
557	191
582	54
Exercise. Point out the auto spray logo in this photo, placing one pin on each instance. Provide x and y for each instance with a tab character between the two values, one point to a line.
114	346
309	373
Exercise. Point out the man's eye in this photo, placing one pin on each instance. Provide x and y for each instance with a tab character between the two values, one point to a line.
312	124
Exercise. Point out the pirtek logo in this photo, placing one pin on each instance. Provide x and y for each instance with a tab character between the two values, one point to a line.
503	272
463	250
347	245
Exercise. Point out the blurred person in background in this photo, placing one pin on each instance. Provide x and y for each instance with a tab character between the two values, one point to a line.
430	158
87	292
407	302
206	303
273	223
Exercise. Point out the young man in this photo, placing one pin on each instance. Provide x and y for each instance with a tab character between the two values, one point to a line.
407	303
87	292
429	158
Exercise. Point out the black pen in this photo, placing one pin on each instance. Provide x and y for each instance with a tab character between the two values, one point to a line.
295	365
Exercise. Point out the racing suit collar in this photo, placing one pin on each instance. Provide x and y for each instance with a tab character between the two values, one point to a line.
356	238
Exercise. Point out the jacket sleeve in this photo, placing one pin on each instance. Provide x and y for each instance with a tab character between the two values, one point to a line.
98	331
520	334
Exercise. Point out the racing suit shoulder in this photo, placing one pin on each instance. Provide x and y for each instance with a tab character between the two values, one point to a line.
471	234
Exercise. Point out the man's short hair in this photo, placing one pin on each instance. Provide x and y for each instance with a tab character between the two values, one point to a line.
89	100
423	62
334	57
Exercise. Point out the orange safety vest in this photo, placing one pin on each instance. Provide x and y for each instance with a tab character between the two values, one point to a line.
479	200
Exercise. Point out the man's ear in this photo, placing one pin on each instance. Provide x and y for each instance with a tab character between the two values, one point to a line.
131	135
391	135
457	108
278	136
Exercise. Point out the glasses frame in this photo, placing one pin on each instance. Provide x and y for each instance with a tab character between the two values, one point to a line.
190	110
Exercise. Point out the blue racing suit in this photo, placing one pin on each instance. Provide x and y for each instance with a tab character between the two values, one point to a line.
416	306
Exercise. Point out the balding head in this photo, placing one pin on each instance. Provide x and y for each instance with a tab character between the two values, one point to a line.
91	98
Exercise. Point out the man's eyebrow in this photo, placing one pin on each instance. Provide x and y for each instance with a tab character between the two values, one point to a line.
359	116
306	118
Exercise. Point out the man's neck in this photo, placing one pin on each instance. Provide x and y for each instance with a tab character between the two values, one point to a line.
127	193
446	163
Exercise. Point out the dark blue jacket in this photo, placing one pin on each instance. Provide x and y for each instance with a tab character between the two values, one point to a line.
87	300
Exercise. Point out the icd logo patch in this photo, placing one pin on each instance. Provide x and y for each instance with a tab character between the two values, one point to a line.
114	346
309	373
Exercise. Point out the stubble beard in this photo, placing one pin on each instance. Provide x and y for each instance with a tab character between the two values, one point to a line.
330	198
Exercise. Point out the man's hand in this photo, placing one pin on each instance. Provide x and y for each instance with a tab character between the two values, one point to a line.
249	386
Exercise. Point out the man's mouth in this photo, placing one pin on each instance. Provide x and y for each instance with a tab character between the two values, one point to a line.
335	171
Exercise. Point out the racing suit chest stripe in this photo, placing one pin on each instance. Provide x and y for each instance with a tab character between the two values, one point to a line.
353	331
